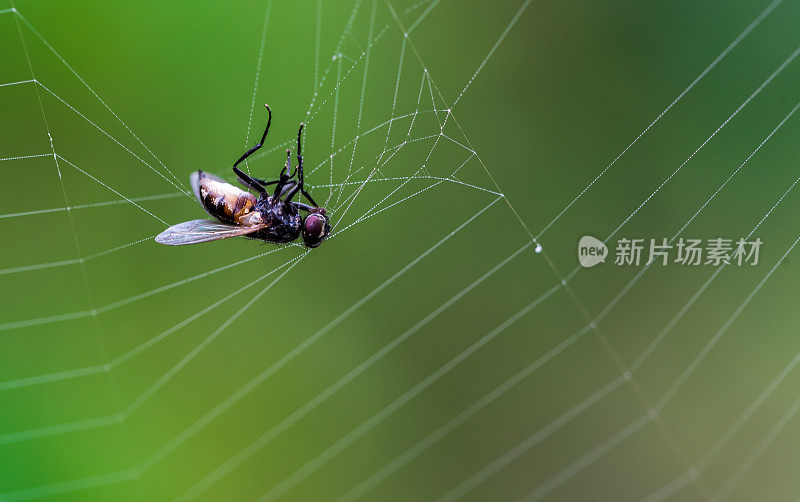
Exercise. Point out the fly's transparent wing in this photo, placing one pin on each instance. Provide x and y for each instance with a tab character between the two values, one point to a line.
196	231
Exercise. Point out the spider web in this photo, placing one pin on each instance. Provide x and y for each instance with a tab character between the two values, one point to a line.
250	373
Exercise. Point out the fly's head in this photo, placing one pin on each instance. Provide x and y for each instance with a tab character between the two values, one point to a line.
316	228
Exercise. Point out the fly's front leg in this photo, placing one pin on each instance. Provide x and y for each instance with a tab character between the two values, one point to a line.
260	143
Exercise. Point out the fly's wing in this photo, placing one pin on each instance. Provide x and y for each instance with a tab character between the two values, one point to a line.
196	231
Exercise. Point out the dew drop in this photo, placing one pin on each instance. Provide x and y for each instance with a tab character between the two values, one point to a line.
538	248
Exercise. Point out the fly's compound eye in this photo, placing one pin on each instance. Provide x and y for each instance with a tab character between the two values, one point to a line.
315	229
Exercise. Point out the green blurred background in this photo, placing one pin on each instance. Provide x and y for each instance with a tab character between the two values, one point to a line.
224	371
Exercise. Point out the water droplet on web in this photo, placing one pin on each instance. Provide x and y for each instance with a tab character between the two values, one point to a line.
538	248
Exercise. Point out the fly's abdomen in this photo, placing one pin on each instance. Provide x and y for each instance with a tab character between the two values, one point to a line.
226	206
222	200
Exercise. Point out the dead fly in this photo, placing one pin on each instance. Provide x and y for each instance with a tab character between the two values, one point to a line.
274	218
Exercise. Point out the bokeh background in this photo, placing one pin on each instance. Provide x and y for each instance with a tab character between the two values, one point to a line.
240	371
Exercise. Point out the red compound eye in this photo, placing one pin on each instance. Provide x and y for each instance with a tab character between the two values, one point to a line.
314	225
315	229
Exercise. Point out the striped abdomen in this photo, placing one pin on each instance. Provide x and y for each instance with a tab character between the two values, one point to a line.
223	200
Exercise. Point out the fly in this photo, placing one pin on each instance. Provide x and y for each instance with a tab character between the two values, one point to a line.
271	218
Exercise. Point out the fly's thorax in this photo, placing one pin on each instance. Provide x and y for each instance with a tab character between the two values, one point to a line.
276	212
282	221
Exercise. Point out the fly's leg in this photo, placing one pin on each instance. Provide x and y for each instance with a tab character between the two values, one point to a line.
300	187
284	177
248	181
253	183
